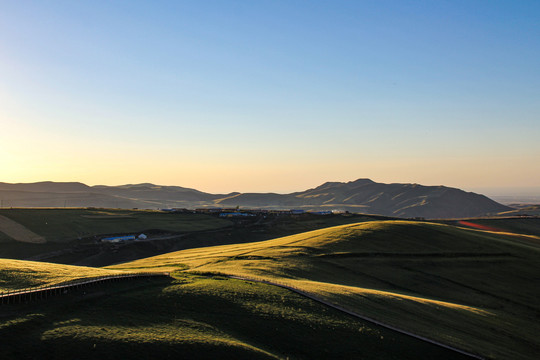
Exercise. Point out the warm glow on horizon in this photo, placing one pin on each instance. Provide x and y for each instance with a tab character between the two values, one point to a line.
234	103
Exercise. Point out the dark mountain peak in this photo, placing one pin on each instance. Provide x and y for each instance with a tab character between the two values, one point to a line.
329	184
364	181
46	186
58	183
129	186
333	184
361	195
143	185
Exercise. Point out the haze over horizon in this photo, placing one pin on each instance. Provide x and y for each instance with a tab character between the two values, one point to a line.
504	195
277	96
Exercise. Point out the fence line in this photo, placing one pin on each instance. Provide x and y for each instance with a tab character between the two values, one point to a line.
299	291
46	291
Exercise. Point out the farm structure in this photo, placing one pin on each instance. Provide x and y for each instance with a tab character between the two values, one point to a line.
118	239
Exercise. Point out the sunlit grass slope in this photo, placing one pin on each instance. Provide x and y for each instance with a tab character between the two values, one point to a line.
197	317
524	226
466	288
18	274
58	225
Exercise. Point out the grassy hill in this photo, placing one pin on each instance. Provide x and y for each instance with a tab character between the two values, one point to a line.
531	210
513	225
468	288
197	317
18	274
471	289
71	236
58	225
68	229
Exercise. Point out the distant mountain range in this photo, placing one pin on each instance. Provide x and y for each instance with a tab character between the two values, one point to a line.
361	196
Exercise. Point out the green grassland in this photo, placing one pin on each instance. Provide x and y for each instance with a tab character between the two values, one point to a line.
525	226
60	225
532	210
64	228
471	289
197	317
18	274
468	288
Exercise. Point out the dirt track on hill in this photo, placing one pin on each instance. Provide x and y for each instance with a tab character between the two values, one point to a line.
18	232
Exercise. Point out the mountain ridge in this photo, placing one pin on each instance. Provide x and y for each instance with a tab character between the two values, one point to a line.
362	195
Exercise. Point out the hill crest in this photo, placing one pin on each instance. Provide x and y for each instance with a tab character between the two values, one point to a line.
361	196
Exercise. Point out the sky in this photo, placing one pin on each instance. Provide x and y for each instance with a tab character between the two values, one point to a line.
271	96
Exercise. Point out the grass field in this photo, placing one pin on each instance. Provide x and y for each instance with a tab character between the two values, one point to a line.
63	229
17	274
471	289
60	225
197	317
532	210
468	288
525	226
18	232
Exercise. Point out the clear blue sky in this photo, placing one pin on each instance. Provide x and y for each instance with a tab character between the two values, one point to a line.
271	95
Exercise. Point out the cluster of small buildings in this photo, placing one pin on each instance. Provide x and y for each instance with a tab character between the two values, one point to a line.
123	238
236	212
224	213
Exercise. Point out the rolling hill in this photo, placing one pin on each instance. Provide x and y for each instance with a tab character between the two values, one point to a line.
63	225
188	316
529	210
468	288
72	235
19	274
360	196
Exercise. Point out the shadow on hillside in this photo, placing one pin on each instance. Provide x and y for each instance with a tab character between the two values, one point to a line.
198	319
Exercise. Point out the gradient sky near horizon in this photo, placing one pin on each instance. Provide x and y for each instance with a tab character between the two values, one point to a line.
271	95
